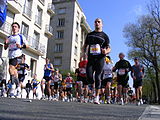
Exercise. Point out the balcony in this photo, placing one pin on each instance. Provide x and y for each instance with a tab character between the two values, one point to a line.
5	30
38	20
27	12
35	46
51	9
49	31
15	6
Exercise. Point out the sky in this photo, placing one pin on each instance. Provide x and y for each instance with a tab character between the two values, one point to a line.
115	15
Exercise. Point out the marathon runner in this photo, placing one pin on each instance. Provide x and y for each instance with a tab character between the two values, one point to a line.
97	43
138	75
123	67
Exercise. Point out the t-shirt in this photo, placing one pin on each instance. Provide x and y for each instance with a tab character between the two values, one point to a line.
107	70
69	81
14	51
47	72
137	71
82	68
123	67
21	68
96	41
56	77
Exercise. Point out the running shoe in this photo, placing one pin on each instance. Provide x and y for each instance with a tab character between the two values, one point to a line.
96	100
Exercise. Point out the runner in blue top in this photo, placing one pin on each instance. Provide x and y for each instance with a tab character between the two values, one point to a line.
48	69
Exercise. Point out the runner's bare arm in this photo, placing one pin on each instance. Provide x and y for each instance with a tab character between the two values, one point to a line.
6	44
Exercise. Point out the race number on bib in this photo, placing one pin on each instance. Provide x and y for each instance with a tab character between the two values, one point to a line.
95	49
82	70
121	71
12	46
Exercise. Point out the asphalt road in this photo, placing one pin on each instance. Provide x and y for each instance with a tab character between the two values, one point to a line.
19	109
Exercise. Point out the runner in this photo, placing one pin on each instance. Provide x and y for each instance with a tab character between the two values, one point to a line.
123	67
22	67
28	88
69	85
57	79
97	43
35	82
138	75
82	80
15	43
48	69
107	79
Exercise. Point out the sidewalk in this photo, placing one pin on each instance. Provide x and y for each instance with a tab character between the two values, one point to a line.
152	112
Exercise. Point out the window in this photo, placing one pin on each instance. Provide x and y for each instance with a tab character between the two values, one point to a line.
35	41
61	22
78	14
58	47
61	10
33	66
60	34
27	8
77	25
24	29
76	39
75	50
58	61
75	63
38	17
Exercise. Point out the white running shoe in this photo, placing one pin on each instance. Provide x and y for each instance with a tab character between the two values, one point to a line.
121	101
96	100
141	101
50	98
138	103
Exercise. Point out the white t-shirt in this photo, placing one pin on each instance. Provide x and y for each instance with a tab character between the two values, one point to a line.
14	51
107	71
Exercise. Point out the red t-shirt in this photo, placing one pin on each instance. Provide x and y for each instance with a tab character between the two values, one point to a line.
82	68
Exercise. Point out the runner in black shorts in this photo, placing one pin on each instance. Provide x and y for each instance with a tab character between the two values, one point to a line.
123	67
22	67
137	75
82	80
97	43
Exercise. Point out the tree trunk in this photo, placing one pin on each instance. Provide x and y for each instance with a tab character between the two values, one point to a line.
158	86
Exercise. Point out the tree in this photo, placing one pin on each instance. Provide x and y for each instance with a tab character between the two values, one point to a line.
144	41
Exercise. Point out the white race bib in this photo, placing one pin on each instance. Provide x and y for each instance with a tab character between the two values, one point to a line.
121	71
12	46
20	72
68	85
82	70
95	49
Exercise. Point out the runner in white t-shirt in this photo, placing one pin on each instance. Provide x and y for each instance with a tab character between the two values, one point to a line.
107	79
15	43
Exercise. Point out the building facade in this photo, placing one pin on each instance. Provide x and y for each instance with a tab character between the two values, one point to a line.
34	19
70	30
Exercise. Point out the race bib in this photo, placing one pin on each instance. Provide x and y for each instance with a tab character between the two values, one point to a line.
68	85
20	72
12	46
82	70
95	49
121	71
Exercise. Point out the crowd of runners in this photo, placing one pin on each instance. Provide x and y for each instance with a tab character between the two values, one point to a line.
97	81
